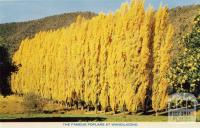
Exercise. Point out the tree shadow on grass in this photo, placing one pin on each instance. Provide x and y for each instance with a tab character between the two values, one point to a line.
56	119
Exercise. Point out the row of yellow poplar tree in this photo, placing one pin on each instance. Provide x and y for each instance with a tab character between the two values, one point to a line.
118	58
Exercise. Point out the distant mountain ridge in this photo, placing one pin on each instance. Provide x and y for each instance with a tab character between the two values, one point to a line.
11	34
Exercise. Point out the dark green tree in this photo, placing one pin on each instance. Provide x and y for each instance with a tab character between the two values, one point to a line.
184	74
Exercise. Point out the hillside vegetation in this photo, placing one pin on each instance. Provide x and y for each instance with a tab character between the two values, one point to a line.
182	19
11	34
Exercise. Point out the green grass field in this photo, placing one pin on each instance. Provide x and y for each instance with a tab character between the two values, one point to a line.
83	118
11	110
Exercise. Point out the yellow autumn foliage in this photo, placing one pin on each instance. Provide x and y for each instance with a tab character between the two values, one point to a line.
111	57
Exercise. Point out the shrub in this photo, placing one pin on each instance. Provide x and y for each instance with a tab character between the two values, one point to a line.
33	103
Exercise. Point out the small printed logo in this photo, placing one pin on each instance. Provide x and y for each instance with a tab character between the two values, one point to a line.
182	107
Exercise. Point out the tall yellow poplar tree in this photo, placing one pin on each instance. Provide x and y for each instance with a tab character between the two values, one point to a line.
161	49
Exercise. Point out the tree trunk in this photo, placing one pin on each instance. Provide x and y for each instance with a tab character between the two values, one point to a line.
145	106
96	109
88	108
115	111
156	113
82	107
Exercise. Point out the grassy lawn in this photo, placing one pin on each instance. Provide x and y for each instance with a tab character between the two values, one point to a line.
85	117
11	109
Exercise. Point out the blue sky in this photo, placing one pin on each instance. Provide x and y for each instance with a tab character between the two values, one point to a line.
23	10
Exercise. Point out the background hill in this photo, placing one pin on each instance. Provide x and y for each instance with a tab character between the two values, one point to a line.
182	20
11	34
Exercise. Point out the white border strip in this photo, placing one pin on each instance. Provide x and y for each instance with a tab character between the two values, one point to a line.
98	125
